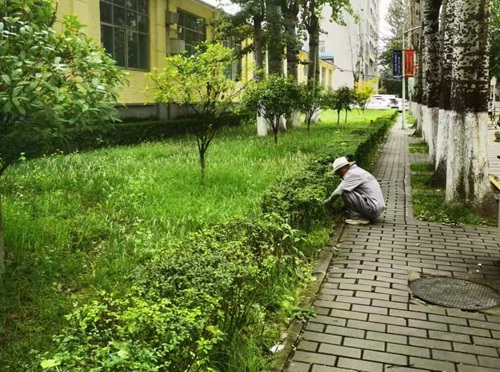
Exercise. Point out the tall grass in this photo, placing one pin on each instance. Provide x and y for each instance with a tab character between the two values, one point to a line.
80	223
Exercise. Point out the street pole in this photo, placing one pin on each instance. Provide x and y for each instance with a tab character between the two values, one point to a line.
403	95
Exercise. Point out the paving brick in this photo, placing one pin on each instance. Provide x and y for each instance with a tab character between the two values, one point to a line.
385	357
447	319
489	362
332	304
427	309
430	364
484	325
328	320
386	337
494	319
321	310
427	325
378	296
475	349
433	344
470	331
392	292
337	292
360	365
363	344
336	350
321	337
315	327
463	368
386	319
343	331
298	367
448	336
390	305
366	325
307	346
407	331
409	350
402	299
308	357
355	314
407	314
355	287
370	309
353	300
317	368
455	357
465	314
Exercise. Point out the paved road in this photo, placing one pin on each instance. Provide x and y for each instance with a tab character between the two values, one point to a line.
368	320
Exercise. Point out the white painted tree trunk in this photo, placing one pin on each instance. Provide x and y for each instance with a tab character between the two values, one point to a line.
294	120
262	126
426	125
442	146
467	167
467	170
434	123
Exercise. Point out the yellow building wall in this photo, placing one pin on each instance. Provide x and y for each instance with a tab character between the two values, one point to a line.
160	35
159	44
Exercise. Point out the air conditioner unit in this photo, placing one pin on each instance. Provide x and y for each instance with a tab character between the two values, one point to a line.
171	18
177	46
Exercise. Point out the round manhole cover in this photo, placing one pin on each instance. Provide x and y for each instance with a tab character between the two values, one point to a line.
457	293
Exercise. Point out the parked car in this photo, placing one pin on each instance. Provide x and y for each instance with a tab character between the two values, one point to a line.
400	104
379	104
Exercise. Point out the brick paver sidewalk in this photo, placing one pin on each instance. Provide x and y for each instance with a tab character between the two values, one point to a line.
367	320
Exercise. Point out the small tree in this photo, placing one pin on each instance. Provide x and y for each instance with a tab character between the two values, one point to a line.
199	85
311	94
49	81
338	100
273	98
363	91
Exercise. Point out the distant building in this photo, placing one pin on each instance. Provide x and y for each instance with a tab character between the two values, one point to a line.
139	34
352	47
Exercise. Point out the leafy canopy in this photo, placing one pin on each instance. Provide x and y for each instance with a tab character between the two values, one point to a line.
50	81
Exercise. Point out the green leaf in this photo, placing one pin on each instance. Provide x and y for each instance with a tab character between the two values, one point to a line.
50	363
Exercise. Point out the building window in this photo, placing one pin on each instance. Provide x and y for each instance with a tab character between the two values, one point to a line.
192	30
235	70
323	76
124	32
330	78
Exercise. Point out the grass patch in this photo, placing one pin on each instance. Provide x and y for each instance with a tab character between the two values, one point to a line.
82	223
429	202
419	148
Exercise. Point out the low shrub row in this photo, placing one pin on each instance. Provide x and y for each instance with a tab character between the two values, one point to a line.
213	301
62	140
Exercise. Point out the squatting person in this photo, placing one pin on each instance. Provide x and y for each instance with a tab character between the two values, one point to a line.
360	191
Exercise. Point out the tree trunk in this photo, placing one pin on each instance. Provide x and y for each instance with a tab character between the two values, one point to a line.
338	119
467	166
313	28
276	49
446	49
419	83
202	164
259	46
292	49
431	55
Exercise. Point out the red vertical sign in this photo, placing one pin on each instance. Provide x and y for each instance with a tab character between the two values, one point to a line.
409	63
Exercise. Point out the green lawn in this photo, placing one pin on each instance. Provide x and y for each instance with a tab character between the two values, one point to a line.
79	223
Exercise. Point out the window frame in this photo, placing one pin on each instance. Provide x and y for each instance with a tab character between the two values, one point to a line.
129	31
190	47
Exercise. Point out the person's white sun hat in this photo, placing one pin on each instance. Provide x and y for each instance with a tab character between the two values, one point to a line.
340	163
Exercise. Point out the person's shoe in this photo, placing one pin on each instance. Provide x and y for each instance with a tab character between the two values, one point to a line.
357	221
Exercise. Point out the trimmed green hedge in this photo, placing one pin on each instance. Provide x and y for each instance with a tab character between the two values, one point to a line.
63	140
